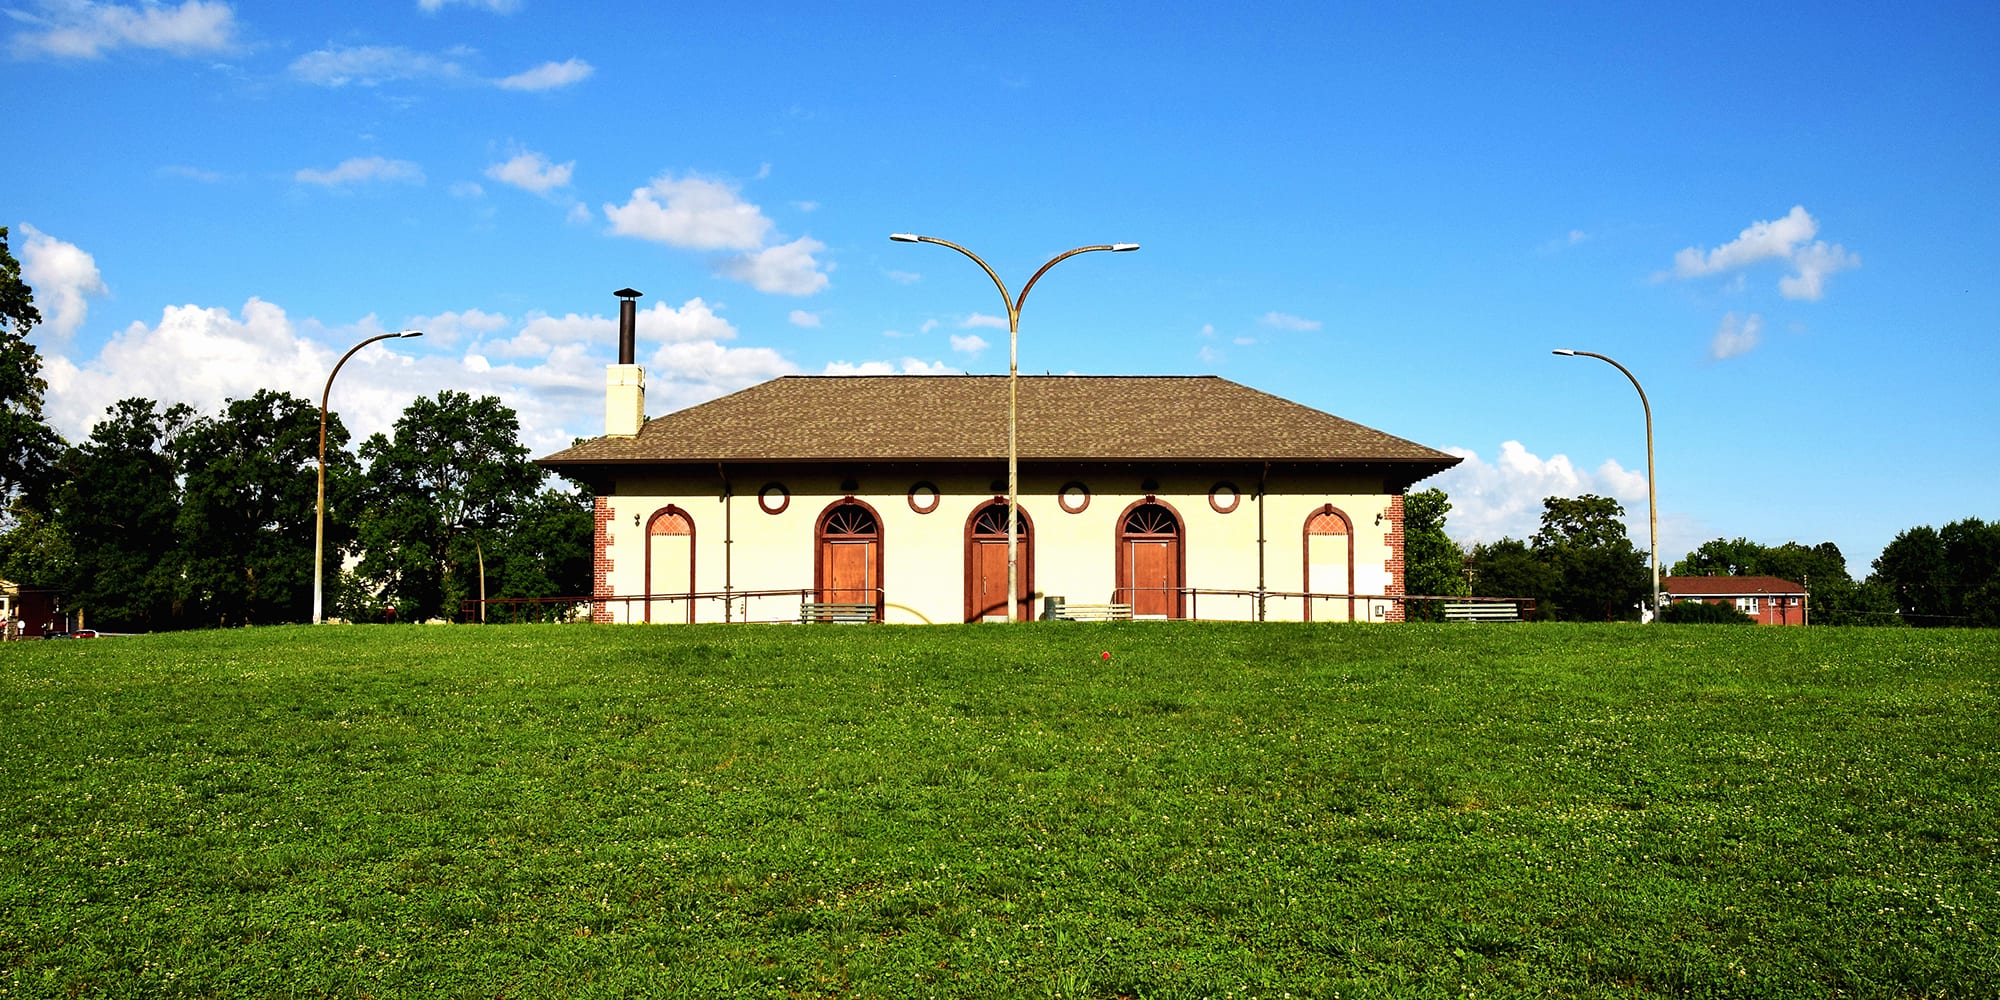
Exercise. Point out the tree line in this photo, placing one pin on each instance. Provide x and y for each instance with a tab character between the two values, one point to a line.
1581	566
169	518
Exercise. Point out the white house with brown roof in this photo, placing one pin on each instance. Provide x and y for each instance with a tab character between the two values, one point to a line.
1183	497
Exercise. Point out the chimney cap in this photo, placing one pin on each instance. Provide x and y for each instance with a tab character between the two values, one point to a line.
628	293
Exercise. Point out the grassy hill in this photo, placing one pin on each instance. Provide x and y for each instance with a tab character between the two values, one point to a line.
1213	811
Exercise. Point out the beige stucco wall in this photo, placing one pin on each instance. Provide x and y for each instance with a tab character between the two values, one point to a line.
924	562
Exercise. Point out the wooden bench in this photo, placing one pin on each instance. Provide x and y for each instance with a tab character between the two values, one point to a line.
835	611
1481	611
1094	613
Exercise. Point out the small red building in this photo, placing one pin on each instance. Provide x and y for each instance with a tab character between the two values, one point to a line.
1768	599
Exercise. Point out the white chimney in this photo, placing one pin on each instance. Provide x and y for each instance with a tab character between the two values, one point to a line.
625	382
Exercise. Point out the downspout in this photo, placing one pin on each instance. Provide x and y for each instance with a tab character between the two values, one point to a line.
728	546
1262	477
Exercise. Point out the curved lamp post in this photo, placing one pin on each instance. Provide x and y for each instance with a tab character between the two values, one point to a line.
319	509
1013	305
1652	504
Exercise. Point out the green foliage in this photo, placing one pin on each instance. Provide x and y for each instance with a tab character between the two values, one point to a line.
36	551
119	503
1434	565
1599	576
973	811
249	499
1948	576
547	551
1509	568
1703	613
28	447
454	467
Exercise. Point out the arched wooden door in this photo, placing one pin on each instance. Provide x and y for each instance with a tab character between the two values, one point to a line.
986	565
670	566
847	566
1151	562
1329	566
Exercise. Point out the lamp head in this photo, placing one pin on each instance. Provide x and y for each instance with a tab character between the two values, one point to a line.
411	333
1565	352
906	237
1122	247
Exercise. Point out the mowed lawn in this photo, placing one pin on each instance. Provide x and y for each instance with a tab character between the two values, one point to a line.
984	811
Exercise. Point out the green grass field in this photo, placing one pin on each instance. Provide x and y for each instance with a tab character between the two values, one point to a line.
1216	811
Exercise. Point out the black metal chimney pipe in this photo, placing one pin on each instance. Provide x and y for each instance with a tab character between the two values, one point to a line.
628	325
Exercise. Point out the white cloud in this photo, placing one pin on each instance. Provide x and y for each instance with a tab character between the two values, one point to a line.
907	366
448	327
1504	498
531	171
363	170
786	269
982	320
496	6
76	29
1814	263
806	206
691	213
800	317
64	278
467	189
579	214
1734	337
1208	355
371	66
971	343
928	326
904	277
548	76
1243	341
1208	329
1287	321
1789	239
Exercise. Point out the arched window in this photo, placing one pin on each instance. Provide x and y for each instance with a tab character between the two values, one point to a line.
670	566
1329	555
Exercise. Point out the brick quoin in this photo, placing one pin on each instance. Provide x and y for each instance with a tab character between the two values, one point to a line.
1395	562
600	576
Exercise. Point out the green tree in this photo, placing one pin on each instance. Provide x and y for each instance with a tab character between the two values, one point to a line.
1912	567
246	523
119	503
1972	560
29	449
1510	568
1433	564
1703	613
1599	576
454	466
547	551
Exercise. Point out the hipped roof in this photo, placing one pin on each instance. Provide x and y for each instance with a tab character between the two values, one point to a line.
1062	418
1728	586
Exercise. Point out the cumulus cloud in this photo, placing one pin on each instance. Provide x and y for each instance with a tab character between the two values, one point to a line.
531	171
970	343
1788	239
691	213
800	317
1287	321
64	278
785	269
548	76
70	29
1734	336
450	327
982	320
363	170
1503	498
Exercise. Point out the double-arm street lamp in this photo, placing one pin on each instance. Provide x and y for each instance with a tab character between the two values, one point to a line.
1013	304
1652	499
319	509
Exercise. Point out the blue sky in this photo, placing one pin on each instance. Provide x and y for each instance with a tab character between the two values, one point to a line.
1782	218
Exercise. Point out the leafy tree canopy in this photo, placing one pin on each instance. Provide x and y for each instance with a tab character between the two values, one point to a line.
29	449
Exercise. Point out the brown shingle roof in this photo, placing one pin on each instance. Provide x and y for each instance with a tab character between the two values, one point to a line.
890	418
1728	586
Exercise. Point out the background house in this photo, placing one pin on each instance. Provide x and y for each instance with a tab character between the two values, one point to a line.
1768	599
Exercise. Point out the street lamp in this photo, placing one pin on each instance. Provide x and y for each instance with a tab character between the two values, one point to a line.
1652	498
319	510
1013	305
